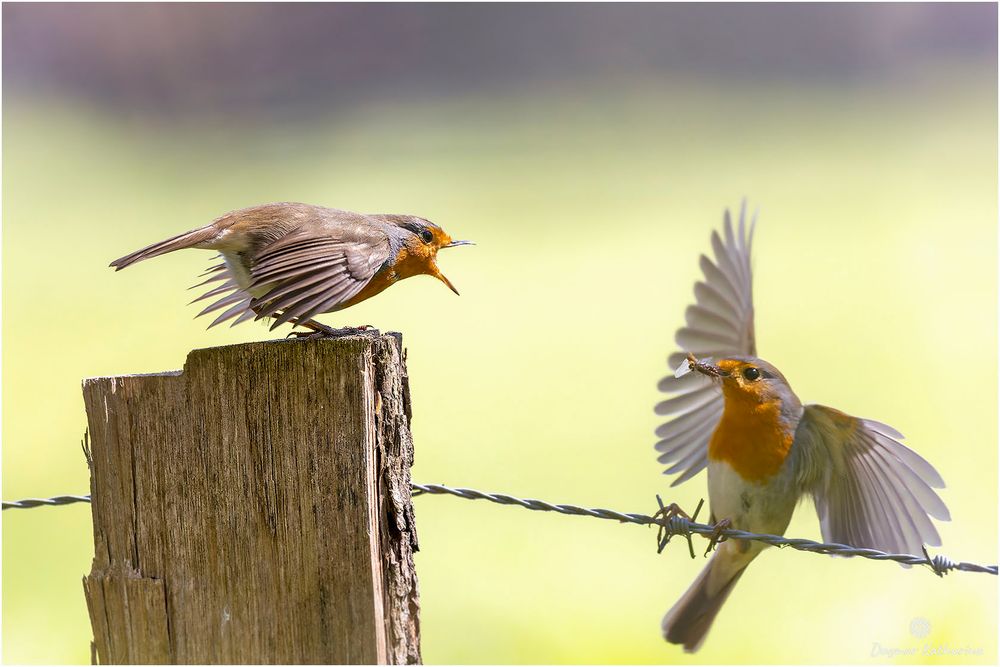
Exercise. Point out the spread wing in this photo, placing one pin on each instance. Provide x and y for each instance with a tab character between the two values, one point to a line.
870	490
235	301
305	274
719	324
298	276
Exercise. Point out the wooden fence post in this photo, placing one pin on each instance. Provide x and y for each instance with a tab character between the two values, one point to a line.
255	507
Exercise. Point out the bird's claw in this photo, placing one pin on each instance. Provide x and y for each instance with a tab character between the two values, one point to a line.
323	331
662	518
716	537
307	335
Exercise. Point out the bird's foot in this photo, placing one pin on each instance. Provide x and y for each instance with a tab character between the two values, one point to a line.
663	516
668	512
322	331
716	537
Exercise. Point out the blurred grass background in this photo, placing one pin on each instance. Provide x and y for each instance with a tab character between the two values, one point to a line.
590	199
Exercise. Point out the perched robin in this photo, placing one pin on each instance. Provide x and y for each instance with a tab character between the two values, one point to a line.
737	415
293	261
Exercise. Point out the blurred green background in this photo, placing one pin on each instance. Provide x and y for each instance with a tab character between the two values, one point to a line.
589	156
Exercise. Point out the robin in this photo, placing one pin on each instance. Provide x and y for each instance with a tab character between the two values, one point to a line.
293	261
737	416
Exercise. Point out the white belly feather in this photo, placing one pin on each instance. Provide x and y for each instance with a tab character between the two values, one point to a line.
759	508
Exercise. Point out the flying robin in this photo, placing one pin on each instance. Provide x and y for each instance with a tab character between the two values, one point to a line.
736	415
293	261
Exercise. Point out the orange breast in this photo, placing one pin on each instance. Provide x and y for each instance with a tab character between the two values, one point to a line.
377	283
411	262
751	438
405	265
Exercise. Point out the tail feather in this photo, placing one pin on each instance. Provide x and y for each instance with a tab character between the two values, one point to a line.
186	240
691	617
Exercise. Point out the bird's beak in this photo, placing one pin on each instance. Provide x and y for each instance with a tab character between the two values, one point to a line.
436	272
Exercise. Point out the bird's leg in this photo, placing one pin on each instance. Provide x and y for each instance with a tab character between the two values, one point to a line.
716	536
316	329
319	330
313	326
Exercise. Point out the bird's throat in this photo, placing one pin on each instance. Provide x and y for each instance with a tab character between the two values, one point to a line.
752	438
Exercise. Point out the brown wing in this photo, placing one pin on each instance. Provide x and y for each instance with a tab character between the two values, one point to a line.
719	324
870	489
231	297
306	274
302	260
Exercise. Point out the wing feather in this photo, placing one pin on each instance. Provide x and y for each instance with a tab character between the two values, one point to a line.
870	490
275	273
229	293
232	297
688	402
911	510
227	286
704	319
281	296
702	339
239	309
719	324
894	529
676	445
309	275
889	438
688	420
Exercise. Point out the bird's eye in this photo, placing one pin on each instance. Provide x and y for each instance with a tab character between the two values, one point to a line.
751	373
427	235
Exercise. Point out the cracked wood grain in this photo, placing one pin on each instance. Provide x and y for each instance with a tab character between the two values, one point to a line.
255	507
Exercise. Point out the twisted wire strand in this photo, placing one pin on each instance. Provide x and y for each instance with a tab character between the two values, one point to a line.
680	525
670	524
28	503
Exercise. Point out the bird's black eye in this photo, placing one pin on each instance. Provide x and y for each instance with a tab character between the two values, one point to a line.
427	235
751	373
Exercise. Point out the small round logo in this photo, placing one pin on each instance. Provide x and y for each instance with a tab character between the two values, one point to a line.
920	627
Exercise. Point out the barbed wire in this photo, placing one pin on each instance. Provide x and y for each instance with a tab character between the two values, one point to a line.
670	520
672	523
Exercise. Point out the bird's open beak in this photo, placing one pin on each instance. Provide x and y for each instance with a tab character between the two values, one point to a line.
436	272
440	276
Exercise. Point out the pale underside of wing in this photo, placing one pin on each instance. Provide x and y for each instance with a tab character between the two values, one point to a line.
718	325
300	277
870	490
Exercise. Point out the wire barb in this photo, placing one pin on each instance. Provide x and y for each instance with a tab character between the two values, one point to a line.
670	519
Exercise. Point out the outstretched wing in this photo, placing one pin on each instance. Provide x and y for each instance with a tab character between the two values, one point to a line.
301	274
719	324
235	301
870	489
307	274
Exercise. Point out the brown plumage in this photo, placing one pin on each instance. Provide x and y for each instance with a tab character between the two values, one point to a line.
293	261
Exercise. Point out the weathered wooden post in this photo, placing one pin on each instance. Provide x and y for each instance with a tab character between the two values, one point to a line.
255	507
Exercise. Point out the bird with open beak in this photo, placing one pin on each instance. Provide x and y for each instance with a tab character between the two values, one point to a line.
737	416
292	261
